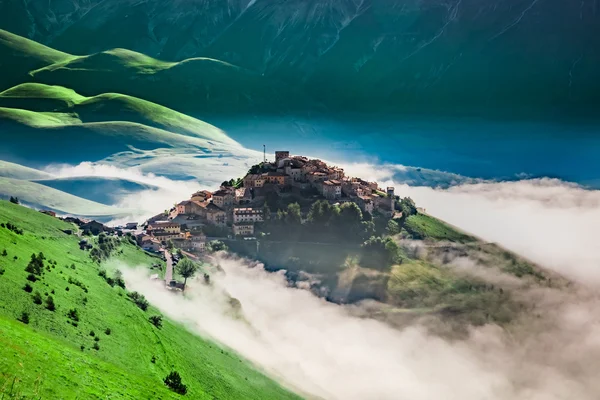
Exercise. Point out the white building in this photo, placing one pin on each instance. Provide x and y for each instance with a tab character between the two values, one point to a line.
247	215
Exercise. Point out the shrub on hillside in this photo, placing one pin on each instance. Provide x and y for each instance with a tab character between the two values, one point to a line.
96	346
139	300
156	320
2	270
32	278
107	331
173	381
50	304
14	200
4	253
92	333
37	298
24	317
28	288
73	315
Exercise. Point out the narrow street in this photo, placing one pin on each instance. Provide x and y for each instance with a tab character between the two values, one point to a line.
169	270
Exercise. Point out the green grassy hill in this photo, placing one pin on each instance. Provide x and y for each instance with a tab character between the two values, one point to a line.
98	189
19	56
42	196
16	171
54	357
84	141
197	84
106	108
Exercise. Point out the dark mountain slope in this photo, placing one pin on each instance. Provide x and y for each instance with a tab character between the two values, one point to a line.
363	55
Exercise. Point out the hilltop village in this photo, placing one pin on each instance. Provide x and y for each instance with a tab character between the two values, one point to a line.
239	205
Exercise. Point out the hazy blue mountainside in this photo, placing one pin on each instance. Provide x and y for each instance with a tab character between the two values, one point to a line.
364	55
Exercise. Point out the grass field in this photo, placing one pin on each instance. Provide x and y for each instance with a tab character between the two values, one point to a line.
422	226
51	358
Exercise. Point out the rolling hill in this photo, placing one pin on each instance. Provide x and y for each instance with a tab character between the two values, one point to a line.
200	85
19	55
106	108
110	349
45	197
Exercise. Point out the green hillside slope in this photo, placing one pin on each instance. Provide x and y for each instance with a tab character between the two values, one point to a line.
38	195
53	356
16	171
103	190
84	141
107	107
19	55
197	84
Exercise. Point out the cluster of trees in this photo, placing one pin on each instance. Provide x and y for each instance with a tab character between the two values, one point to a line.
344	224
235	183
36	264
12	227
105	247
173	381
117	278
325	223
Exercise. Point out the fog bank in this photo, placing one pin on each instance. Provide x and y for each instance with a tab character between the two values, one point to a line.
320	348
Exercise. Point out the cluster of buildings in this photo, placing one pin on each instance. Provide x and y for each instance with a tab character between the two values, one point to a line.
236	210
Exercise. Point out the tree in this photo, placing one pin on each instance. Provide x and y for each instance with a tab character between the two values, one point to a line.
14	200
173	381
393	228
37	298
156	320
4	253
24	317
216	245
186	268
50	304
293	215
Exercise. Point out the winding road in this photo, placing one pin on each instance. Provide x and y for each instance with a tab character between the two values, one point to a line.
169	270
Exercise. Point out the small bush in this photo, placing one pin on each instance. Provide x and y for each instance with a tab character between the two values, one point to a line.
173	381
156	320
2	271
4	253
15	258
52	291
67	289
139	300
92	333
50	304
82	347
28	288
153	360
96	346
37	298
107	331
24	317
32	278
73	315
97	339
72	266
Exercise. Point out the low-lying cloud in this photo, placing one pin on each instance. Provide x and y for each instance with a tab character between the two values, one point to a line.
551	222
320	349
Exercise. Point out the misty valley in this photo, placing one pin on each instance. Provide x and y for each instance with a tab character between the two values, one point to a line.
260	199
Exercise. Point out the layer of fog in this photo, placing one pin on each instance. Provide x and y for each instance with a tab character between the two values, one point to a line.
319	348
552	222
